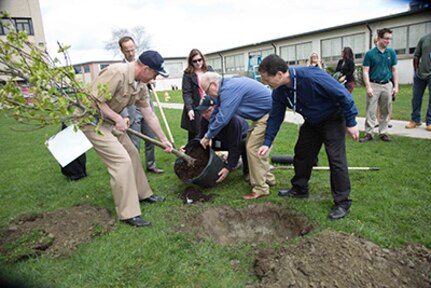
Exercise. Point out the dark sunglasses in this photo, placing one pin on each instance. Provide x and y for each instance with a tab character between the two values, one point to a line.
197	60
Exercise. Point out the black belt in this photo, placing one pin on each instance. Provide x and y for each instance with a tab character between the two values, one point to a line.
379	82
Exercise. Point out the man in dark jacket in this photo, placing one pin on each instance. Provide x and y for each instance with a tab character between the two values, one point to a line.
328	110
231	138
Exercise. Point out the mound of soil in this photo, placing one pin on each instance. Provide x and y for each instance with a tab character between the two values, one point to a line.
55	233
264	222
333	259
192	195
186	172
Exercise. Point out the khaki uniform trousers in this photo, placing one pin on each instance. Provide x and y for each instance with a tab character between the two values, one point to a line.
259	167
128	181
382	95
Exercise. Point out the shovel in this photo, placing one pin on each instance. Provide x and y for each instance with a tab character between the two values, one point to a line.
190	161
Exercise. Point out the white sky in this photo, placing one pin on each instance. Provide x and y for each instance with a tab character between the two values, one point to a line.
177	26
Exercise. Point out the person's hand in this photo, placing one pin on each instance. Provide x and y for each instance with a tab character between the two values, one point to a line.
127	119
191	115
205	142
354	132
394	93
262	150
223	174
121	125
370	91
168	146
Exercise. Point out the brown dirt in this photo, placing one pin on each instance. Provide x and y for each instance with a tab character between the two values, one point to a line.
55	233
186	172
192	195
333	259
265	222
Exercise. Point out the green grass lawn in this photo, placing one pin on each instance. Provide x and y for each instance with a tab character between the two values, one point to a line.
390	207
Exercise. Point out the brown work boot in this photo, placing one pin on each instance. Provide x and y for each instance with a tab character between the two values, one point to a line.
413	124
367	137
428	128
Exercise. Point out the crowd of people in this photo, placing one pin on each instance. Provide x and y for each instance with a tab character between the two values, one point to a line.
216	109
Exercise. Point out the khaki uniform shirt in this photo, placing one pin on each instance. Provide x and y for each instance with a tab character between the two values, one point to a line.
120	79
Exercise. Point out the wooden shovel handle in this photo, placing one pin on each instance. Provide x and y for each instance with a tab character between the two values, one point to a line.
190	161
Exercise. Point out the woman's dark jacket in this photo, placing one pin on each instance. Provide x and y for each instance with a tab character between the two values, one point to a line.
347	69
191	98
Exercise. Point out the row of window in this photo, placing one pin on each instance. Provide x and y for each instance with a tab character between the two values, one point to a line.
404	41
20	24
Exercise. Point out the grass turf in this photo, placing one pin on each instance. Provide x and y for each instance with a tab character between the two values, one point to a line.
390	207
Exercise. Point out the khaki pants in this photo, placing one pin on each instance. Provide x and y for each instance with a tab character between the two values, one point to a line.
128	181
260	173
383	97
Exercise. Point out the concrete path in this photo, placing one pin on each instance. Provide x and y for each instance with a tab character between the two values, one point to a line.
397	125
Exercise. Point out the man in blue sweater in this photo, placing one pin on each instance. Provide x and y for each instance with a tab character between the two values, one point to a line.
327	108
251	100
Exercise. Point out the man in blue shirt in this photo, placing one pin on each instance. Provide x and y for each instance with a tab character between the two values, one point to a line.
379	71
251	100
327	108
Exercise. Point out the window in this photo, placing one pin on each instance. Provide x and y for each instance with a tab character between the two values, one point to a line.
215	63
103	66
234	63
77	69
399	40
20	24
331	48
296	54
415	33
357	43
86	68
405	38
175	70
288	54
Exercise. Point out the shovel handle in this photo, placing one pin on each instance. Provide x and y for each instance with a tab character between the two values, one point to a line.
178	153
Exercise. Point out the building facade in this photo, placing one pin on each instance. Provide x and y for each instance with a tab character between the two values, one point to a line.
407	28
25	16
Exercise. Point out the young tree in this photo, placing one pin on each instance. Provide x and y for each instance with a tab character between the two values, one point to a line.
56	93
138	33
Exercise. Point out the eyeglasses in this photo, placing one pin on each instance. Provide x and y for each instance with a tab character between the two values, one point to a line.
206	90
387	38
197	60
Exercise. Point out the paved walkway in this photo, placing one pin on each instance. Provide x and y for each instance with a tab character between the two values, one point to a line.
397	125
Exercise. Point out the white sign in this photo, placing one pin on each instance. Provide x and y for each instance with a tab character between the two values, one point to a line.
67	145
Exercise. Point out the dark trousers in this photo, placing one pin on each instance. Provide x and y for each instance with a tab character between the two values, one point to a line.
332	133
243	148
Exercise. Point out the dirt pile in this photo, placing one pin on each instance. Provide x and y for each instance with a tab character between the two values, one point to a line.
192	195
333	259
186	172
55	233
265	222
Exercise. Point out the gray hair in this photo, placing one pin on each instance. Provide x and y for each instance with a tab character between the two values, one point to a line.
207	78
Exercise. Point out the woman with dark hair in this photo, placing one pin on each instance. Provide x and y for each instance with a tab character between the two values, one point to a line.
192	92
346	67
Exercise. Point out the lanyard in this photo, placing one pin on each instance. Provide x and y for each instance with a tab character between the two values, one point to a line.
293	105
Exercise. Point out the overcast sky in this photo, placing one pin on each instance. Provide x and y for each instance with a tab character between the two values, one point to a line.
177	26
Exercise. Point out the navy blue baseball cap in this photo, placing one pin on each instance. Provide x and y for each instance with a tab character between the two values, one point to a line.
155	61
206	103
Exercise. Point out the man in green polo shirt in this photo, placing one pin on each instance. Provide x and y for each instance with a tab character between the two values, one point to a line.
380	76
